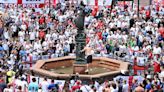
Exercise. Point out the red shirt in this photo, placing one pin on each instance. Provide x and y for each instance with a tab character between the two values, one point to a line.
100	25
156	67
130	81
148	13
99	35
87	40
26	23
150	55
75	87
157	7
161	31
41	21
41	34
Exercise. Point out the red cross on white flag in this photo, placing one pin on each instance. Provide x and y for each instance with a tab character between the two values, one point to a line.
98	2
23	1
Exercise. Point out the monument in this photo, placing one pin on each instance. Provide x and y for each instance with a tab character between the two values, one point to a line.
68	66
80	64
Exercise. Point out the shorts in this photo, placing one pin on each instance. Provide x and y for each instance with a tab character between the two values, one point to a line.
89	59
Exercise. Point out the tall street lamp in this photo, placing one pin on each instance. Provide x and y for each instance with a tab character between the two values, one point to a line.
138	8
150	2
49	3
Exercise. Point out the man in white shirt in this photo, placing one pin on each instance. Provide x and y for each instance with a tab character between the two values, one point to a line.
156	50
21	36
125	87
38	47
32	36
6	34
23	84
44	85
85	88
114	88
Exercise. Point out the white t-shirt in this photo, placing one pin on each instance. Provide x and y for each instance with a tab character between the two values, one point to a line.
136	48
140	38
148	47
118	24
21	36
60	18
8	90
45	44
18	83
48	36
38	47
87	20
6	35
122	46
156	50
100	88
44	86
14	28
124	37
5	46
85	88
32	35
54	36
21	33
125	88
23	27
114	90
24	84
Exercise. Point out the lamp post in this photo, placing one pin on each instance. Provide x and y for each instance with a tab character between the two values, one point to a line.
138	8
132	3
49	3
150	2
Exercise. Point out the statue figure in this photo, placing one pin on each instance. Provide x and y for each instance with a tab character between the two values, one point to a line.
79	22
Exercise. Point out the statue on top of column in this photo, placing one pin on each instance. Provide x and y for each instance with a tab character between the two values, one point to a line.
79	21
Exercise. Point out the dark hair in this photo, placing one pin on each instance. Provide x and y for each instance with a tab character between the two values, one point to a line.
52	81
33	80
114	85
20	87
92	87
45	79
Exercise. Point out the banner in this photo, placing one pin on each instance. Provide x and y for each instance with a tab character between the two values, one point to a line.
85	2
101	2
158	2
107	2
122	78
91	2
32	1
8	1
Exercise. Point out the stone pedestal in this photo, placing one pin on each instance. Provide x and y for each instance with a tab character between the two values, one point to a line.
79	68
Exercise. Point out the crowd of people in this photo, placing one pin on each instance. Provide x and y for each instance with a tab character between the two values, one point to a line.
28	34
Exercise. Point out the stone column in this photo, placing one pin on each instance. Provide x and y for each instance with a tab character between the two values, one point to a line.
80	64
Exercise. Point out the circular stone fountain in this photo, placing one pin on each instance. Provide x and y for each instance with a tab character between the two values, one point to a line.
63	68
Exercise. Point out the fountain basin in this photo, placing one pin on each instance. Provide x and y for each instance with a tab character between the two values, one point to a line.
63	68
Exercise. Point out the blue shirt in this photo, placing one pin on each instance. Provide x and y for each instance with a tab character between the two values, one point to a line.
51	86
22	52
1	48
148	86
5	47
33	87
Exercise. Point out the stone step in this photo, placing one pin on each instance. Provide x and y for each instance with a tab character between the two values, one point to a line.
110	64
